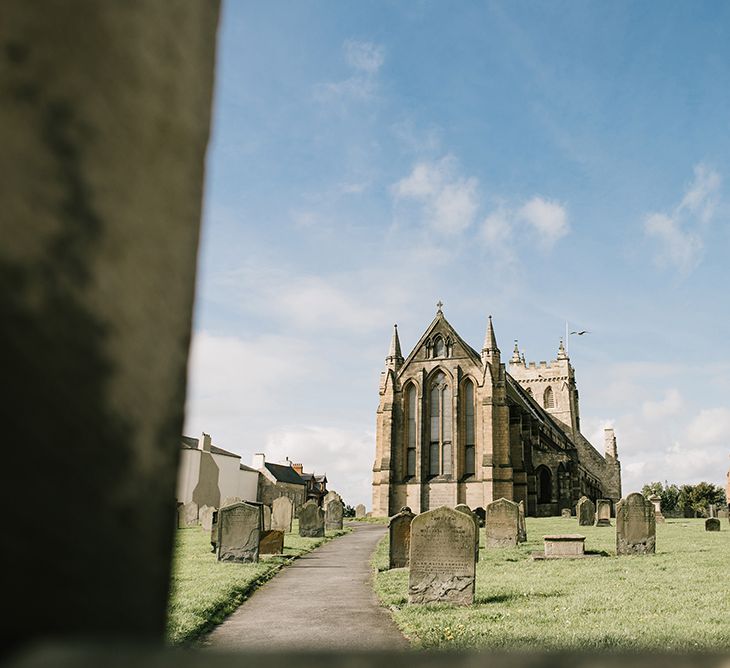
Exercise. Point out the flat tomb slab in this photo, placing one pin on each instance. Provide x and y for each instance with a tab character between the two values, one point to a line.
564	545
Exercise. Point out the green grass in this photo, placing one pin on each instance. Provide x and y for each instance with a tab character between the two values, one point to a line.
675	600
205	591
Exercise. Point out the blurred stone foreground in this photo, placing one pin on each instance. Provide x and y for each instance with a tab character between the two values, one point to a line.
104	122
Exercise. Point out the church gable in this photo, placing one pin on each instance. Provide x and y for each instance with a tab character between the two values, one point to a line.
440	342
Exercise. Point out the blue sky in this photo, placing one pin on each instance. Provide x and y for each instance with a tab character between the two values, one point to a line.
540	162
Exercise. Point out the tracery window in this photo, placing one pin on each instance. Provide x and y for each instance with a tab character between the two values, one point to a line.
440	460
549	398
411	431
439	348
469	440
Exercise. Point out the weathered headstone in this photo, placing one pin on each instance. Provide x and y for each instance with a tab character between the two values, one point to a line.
463	508
266	517
205	515
481	515
282	511
187	515
329	496
585	511
635	525
230	500
399	538
359	510
271	542
311	520
712	524
656	501
333	515
603	513
502	524
239	531
442	566
565	512
522	525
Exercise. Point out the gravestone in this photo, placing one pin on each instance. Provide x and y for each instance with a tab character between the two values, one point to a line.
311	520
266	520
463	508
522	525
239	531
359	510
585	511
565	512
502	524
711	509
333	515
399	538
603	513
656	501
187	515
712	524
442	566
329	496
230	500
206	517
282	511
481	515
564	546
214	531
635	525
271	542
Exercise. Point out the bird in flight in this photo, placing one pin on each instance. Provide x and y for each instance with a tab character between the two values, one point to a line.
583	331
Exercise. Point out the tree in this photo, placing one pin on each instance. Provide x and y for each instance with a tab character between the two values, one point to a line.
697	498
669	494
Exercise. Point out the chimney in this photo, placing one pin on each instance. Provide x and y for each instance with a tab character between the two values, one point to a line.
299	468
258	461
609	442
204	442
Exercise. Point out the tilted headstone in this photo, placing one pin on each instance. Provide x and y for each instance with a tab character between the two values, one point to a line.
239	531
603	513
311	520
359	510
329	496
522	525
187	515
399	534
481	515
205	515
656	500
333	515
266	517
282	511
442	566
712	524
585	511
271	542
635	525
463	508
502	524
565	512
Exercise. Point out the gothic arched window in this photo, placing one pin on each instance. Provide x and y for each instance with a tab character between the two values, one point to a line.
469	439
440	456
549	398
544	484
439	348
411	431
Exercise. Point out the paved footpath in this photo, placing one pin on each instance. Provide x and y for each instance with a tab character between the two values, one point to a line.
324	600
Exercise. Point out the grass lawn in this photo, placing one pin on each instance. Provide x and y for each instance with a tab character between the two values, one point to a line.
205	591
676	599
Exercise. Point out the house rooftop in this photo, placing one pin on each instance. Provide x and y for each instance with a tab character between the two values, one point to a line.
284	473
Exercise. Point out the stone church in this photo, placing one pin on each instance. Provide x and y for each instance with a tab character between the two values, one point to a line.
456	426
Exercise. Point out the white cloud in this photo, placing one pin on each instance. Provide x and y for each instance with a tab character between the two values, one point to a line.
547	218
345	455
710	426
497	228
669	405
679	235
365	56
448	200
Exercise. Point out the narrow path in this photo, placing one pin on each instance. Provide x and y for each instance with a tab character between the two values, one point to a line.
324	600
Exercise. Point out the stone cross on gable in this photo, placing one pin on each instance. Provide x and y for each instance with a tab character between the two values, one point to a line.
439	304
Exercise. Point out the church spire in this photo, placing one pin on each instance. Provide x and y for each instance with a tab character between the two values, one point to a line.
516	359
490	352
395	357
